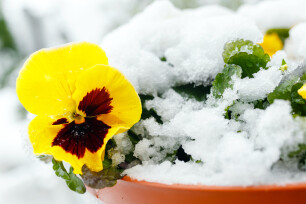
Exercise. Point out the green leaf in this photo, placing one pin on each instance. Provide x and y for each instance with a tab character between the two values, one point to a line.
198	92
130	157
107	163
6	39
284	66
163	59
298	104
45	158
157	118
59	169
134	138
234	47
303	78
72	181
300	154
111	144
302	161
250	64
105	178
261	104
171	156
283	33
250	57
148	113
145	98
295	97
223	79
302	147
283	91
228	113
289	91
75	183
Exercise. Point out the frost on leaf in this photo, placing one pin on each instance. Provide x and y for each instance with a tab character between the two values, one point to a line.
250	57
223	79
288	90
283	91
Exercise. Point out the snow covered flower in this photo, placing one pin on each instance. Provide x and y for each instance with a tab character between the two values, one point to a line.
271	43
80	103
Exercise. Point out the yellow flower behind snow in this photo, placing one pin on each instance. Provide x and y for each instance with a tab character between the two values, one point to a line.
302	91
271	43
80	103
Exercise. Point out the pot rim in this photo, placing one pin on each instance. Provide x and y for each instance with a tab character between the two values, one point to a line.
199	187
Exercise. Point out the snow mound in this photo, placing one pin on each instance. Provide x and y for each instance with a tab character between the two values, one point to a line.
191	42
164	48
275	14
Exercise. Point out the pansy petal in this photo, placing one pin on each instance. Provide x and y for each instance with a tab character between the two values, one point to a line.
271	44
46	82
104	91
302	91
42	132
93	160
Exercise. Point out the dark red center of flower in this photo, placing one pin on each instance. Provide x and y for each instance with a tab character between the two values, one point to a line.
60	121
75	138
96	102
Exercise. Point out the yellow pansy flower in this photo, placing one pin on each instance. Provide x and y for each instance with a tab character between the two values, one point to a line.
271	43
80	103
302	91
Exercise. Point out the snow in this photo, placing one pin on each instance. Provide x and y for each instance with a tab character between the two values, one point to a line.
124	147
190	41
275	13
170	103
296	44
231	157
245	151
263	83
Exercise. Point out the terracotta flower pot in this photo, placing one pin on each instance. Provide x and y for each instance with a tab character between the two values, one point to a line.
129	191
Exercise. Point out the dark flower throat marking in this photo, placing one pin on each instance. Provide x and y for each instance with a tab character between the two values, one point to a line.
76	138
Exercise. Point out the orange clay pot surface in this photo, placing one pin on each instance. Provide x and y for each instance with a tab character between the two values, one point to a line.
129	191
